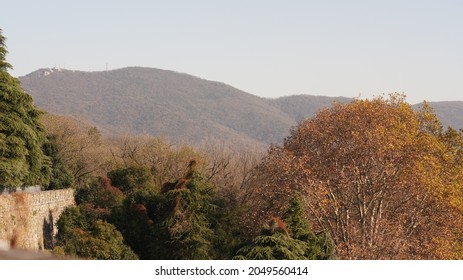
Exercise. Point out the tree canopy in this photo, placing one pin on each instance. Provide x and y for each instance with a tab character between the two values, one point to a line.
381	178
81	235
288	239
4	65
22	160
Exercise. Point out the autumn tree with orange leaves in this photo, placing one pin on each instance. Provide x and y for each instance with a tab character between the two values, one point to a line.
381	178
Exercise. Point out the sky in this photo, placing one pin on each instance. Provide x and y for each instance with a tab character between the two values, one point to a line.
267	48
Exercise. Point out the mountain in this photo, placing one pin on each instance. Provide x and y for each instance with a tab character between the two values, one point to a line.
179	106
159	102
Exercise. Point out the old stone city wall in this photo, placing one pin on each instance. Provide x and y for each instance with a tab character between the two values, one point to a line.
28	220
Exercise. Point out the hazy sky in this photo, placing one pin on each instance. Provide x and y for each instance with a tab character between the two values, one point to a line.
267	48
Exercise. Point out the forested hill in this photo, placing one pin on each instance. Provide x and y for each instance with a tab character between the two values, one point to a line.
181	107
158	102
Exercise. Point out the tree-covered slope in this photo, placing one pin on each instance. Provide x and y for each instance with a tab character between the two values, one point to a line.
159	102
182	107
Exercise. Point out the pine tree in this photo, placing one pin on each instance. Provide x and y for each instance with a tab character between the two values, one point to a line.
22	160
81	234
183	225
4	66
274	243
319	246
61	175
291	239
134	219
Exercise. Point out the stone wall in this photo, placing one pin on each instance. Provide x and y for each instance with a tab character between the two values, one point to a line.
28	220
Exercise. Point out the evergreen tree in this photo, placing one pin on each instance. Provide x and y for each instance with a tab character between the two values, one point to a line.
319	246
134	219
274	243
131	179
226	224
183	225
81	235
61	175
4	66
22	160
291	239
100	194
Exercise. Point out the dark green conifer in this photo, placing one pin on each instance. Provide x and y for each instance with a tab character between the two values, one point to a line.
292	239
318	246
81	234
183	224
131	179
274	243
4	66
22	160
61	175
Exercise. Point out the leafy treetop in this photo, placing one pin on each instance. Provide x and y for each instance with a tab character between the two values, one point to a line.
22	160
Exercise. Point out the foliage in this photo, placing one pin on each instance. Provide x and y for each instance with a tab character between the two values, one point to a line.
185	221
274	243
61	175
183	226
79	146
4	65
173	224
142	214
319	246
379	177
135	222
100	194
165	161
70	219
131	179
22	160
225	222
289	240
82	236
277	246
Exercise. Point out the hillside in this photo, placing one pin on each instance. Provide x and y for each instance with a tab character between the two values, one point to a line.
158	102
182	107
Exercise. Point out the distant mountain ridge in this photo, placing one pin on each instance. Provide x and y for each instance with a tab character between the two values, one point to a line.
159	102
180	106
